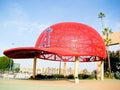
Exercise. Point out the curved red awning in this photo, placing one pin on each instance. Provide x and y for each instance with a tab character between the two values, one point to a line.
24	52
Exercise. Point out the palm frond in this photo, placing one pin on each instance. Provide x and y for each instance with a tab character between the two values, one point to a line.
101	15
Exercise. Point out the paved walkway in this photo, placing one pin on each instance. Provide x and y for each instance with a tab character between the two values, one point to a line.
10	84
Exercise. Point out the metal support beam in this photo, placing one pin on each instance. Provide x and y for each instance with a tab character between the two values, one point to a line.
34	67
76	70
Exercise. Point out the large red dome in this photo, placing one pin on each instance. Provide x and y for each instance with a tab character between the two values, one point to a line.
63	41
71	39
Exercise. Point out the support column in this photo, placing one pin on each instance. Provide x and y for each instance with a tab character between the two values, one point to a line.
64	70
34	67
100	70
76	70
60	68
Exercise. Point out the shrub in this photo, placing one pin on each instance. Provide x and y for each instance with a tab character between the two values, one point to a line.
117	75
57	76
70	76
86	76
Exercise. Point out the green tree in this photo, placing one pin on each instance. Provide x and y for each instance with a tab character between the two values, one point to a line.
107	31
115	64
17	70
5	63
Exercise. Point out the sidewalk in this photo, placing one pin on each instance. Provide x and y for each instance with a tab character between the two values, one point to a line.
10	84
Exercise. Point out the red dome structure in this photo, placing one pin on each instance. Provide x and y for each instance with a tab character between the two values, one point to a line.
63	41
67	42
71	39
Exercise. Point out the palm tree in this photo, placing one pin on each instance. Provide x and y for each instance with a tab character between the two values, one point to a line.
101	16
107	31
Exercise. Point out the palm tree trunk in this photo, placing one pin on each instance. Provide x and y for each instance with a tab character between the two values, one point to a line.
109	65
102	24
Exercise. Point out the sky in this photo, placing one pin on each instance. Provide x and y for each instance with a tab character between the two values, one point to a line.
22	21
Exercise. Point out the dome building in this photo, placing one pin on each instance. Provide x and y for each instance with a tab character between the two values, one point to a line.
67	42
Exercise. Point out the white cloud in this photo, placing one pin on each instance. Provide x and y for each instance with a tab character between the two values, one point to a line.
18	29
15	25
17	20
21	27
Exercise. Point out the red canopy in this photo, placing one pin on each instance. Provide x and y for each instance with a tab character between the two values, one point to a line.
24	52
63	41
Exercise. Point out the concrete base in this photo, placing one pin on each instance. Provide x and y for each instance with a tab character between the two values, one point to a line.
76	80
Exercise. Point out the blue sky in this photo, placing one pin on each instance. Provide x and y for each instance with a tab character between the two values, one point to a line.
22	21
